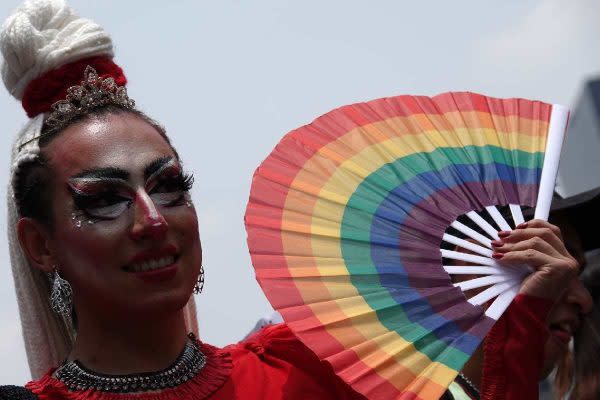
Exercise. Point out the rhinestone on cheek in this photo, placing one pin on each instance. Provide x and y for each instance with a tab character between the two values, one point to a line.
78	219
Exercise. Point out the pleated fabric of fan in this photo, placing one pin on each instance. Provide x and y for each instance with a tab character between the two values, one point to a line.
346	217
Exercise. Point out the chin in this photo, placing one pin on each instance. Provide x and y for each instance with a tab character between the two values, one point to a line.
159	299
154	306
553	354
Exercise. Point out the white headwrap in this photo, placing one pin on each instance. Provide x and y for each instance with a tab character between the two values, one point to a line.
40	36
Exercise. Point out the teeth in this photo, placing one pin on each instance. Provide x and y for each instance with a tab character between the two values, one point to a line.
153	264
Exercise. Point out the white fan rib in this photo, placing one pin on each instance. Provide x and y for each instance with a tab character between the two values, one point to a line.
502	301
483	224
473	234
467	245
493	291
472	258
483	281
556	134
472	270
498	218
517	214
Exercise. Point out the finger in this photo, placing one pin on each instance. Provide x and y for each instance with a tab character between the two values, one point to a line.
528	257
565	266
547	234
546	284
538	223
535	242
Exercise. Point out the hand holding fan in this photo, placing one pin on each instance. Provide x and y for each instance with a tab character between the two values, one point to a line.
348	216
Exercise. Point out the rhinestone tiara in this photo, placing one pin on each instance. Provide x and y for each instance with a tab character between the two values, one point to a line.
92	92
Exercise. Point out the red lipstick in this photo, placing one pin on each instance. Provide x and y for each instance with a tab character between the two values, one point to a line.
158	275
562	336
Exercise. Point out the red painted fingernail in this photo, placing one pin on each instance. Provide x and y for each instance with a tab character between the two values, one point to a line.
503	234
522	226
497	255
497	243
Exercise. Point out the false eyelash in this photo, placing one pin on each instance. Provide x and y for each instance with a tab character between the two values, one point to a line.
182	182
186	181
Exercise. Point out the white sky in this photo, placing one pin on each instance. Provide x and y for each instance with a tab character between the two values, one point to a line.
230	78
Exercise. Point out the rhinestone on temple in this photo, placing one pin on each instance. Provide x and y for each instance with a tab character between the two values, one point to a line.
92	92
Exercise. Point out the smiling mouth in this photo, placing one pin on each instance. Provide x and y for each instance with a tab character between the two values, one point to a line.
152	264
562	331
562	327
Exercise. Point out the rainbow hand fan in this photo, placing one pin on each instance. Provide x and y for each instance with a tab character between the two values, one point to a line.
358	223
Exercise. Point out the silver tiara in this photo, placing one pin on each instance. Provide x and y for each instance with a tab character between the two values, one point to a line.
92	92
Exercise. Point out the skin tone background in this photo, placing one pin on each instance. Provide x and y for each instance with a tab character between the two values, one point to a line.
244	73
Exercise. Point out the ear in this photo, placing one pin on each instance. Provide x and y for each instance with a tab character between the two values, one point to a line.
35	242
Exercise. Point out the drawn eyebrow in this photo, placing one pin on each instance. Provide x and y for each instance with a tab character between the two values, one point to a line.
106	173
120	176
158	166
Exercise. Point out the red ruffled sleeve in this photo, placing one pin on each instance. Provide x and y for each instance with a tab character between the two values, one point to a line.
514	350
274	364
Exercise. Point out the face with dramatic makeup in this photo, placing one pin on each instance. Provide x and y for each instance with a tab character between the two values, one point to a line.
125	233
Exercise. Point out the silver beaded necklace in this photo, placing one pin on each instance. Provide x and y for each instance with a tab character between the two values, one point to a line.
191	360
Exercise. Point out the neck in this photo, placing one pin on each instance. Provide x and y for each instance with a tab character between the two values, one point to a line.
136	346
473	369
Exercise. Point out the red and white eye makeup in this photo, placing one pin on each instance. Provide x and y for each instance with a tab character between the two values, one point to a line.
108	194
166	183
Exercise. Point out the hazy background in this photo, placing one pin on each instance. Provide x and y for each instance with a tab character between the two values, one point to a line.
229	78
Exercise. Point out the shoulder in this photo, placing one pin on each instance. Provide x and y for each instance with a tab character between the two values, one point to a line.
46	387
272	341
275	354
271	334
268	343
15	393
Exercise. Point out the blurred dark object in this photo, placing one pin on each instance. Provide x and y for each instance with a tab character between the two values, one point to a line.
580	156
16	393
582	366
587	339
582	211
591	275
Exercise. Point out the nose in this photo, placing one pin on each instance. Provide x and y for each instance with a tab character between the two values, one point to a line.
579	296
148	221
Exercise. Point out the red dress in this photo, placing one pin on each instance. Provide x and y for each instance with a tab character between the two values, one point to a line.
272	364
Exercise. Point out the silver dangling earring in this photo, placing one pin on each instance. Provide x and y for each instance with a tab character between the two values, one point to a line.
200	284
61	296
